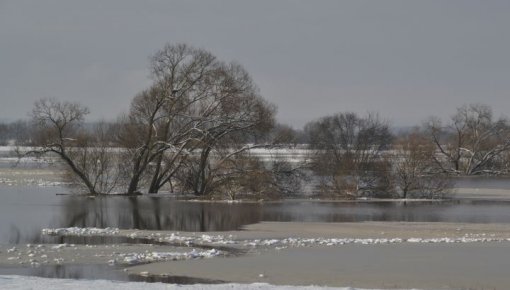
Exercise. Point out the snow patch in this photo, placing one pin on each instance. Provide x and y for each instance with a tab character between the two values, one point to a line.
216	240
150	257
37	283
75	231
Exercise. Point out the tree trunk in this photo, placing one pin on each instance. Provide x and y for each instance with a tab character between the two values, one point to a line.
80	174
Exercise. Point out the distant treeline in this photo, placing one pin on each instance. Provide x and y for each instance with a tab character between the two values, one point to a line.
15	133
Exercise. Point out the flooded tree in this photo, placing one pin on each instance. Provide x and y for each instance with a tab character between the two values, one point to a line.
97	159
415	171
234	111
58	130
472	142
195	104
198	115
348	157
145	140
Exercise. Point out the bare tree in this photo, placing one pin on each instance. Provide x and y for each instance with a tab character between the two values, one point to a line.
194	120
234	111
195	103
348	154
93	154
58	131
472	142
416	173
160	122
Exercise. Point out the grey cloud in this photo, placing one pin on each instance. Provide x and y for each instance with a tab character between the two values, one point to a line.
405	59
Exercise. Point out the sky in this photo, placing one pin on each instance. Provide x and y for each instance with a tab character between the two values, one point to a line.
406	60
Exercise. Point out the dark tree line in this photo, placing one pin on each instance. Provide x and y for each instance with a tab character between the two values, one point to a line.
17	132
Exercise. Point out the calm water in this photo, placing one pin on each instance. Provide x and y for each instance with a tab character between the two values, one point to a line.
24	210
97	272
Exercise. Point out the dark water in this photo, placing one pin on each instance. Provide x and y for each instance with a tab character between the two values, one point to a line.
25	210
98	272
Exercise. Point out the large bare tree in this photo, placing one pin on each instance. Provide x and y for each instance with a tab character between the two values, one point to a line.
195	103
159	126
472	142
233	111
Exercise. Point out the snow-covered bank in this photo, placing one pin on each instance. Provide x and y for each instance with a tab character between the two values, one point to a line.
192	246
41	255
36	283
151	257
231	240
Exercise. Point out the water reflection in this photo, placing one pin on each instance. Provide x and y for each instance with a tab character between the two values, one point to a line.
97	272
67	271
25	210
156	213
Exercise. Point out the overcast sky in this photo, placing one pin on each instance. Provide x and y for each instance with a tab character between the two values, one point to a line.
405	59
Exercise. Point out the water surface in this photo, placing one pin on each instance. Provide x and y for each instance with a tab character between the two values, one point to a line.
25	210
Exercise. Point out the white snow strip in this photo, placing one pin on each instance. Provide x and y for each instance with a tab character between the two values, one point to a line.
31	181
149	257
286	242
36	283
75	231
307	242
302	242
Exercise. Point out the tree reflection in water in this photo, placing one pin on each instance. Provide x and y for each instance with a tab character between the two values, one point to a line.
156	213
68	271
166	213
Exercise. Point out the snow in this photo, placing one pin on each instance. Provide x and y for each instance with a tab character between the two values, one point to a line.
149	257
37	283
31	181
75	231
216	240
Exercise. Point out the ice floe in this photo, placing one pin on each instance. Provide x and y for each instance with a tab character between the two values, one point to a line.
75	231
220	240
149	257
